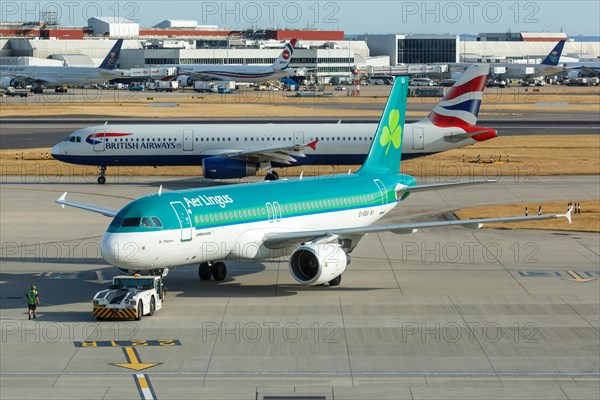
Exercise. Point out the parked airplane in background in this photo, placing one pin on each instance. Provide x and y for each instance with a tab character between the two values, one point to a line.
238	73
237	150
582	68
37	76
316	221
549	66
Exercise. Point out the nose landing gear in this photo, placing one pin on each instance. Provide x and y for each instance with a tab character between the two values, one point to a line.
102	173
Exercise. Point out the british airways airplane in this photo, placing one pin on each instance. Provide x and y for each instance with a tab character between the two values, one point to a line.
238	73
228	151
63	75
316	222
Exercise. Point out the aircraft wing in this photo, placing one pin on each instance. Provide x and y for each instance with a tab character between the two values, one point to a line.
282	155
401	189
108	212
278	240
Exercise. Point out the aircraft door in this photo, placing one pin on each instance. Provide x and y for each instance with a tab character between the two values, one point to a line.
188	139
184	220
99	140
418	139
383	194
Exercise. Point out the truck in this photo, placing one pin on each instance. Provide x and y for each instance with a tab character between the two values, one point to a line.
205	87
12	92
166	86
129	297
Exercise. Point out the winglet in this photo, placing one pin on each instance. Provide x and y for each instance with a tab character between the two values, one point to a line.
568	214
61	199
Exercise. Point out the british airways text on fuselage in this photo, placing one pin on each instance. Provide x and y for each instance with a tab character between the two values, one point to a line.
139	145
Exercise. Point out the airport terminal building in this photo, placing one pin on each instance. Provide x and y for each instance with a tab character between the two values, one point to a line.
322	54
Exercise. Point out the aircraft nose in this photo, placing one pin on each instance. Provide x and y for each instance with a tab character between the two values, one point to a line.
56	150
121	251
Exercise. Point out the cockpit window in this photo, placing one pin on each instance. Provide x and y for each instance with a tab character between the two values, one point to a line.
147	222
131	222
157	222
78	139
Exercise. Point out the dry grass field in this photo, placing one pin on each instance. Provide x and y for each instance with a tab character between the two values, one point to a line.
587	221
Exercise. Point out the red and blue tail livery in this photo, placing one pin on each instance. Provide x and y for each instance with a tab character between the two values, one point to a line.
460	106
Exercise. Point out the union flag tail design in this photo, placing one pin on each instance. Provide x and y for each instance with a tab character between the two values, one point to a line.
460	107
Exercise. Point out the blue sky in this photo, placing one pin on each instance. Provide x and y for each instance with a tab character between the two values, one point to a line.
354	17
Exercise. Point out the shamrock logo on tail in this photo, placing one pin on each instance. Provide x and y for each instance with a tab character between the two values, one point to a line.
392	133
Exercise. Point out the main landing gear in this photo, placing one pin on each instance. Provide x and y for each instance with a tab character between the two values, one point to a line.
218	271
272	176
102	173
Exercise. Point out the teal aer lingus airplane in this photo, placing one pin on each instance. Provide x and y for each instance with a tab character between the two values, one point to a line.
315	221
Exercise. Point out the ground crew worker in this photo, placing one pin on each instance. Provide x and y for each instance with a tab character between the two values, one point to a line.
32	301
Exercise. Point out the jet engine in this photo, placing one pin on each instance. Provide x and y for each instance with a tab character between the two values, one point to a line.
123	271
572	74
185	81
316	264
227	168
7	82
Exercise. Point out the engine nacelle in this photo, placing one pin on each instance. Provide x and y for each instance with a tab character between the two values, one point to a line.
227	168
123	271
7	82
316	264
185	81
573	74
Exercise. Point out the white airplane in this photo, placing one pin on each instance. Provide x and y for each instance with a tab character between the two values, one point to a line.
316	222
238	73
582	68
549	66
237	150
37	76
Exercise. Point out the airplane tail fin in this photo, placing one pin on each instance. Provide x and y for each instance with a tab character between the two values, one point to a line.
553	57
112	58
283	61
386	148
460	106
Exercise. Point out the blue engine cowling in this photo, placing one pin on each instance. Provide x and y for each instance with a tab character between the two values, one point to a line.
226	168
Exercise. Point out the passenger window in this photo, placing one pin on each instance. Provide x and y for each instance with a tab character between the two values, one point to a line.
130	222
157	222
147	222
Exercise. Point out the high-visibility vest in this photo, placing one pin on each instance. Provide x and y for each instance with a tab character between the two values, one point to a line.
31	296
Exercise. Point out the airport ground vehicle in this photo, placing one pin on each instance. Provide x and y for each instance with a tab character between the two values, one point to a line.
421	82
12	92
166	86
61	89
205	87
136	88
501	83
129	297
